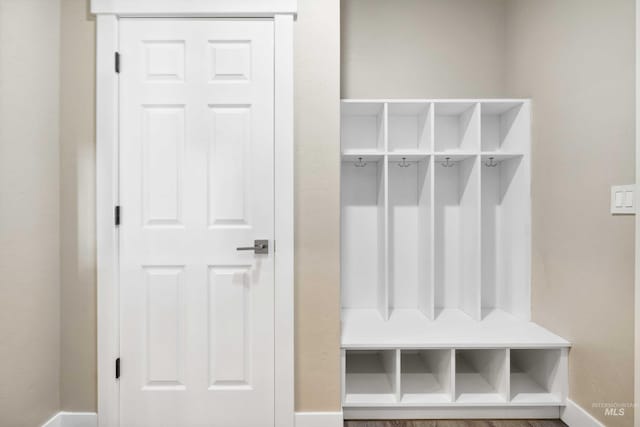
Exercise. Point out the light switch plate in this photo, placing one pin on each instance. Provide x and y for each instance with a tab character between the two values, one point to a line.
623	199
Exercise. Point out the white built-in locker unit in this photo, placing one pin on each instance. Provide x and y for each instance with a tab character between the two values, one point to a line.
436	262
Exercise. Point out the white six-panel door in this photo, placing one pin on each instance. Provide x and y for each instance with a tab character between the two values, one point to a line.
196	182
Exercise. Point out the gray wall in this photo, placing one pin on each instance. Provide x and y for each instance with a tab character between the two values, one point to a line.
29	219
77	197
423	48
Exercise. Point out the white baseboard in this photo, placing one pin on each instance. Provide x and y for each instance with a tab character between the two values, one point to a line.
73	419
89	419
319	419
574	415
454	413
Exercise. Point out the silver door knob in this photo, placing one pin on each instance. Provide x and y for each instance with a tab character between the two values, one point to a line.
259	247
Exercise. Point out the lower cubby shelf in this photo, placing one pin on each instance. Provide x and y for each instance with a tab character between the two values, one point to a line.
425	376
535	376
370	377
467	377
481	376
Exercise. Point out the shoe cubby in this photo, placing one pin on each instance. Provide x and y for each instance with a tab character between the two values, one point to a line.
505	127
426	376
481	376
364	234
457	234
538	376
410	127
457	127
363	127
506	234
410	234
370	377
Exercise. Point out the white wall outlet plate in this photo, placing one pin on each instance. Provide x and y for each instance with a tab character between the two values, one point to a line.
623	199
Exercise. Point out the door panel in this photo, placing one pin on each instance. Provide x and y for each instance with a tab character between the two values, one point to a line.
196	182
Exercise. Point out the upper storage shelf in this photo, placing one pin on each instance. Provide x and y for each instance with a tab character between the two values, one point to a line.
457	127
415	128
363	129
410	127
505	127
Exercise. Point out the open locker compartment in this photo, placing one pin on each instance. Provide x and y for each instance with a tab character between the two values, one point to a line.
426	376
363	127
364	234
370	377
505	127
411	234
538	376
481	376
457	235
506	229
457	127
410	127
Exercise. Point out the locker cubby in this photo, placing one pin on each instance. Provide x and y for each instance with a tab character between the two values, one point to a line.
362	129
363	237
370	376
481	376
537	376
457	127
410	234
425	376
505	234
505	127
410	126
457	235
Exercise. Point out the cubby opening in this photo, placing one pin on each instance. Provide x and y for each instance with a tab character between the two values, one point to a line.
457	127
505	127
536	376
362	129
426	376
505	235
370	376
410	234
457	234
410	127
481	376
363	234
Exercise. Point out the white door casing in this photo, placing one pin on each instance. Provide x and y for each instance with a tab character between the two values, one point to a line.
196	182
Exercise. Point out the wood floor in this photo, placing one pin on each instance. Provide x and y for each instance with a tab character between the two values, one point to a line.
456	423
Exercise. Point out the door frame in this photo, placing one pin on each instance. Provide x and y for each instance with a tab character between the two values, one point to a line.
108	14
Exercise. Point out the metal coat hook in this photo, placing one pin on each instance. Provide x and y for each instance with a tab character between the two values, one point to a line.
360	163
448	163
491	163
404	163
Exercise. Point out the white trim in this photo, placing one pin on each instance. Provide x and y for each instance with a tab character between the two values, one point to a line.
174	8
106	233
284	221
574	415
319	419
637	230
73	419
440	413
107	191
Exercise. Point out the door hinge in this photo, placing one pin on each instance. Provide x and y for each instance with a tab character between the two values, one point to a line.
117	62
118	368
116	215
